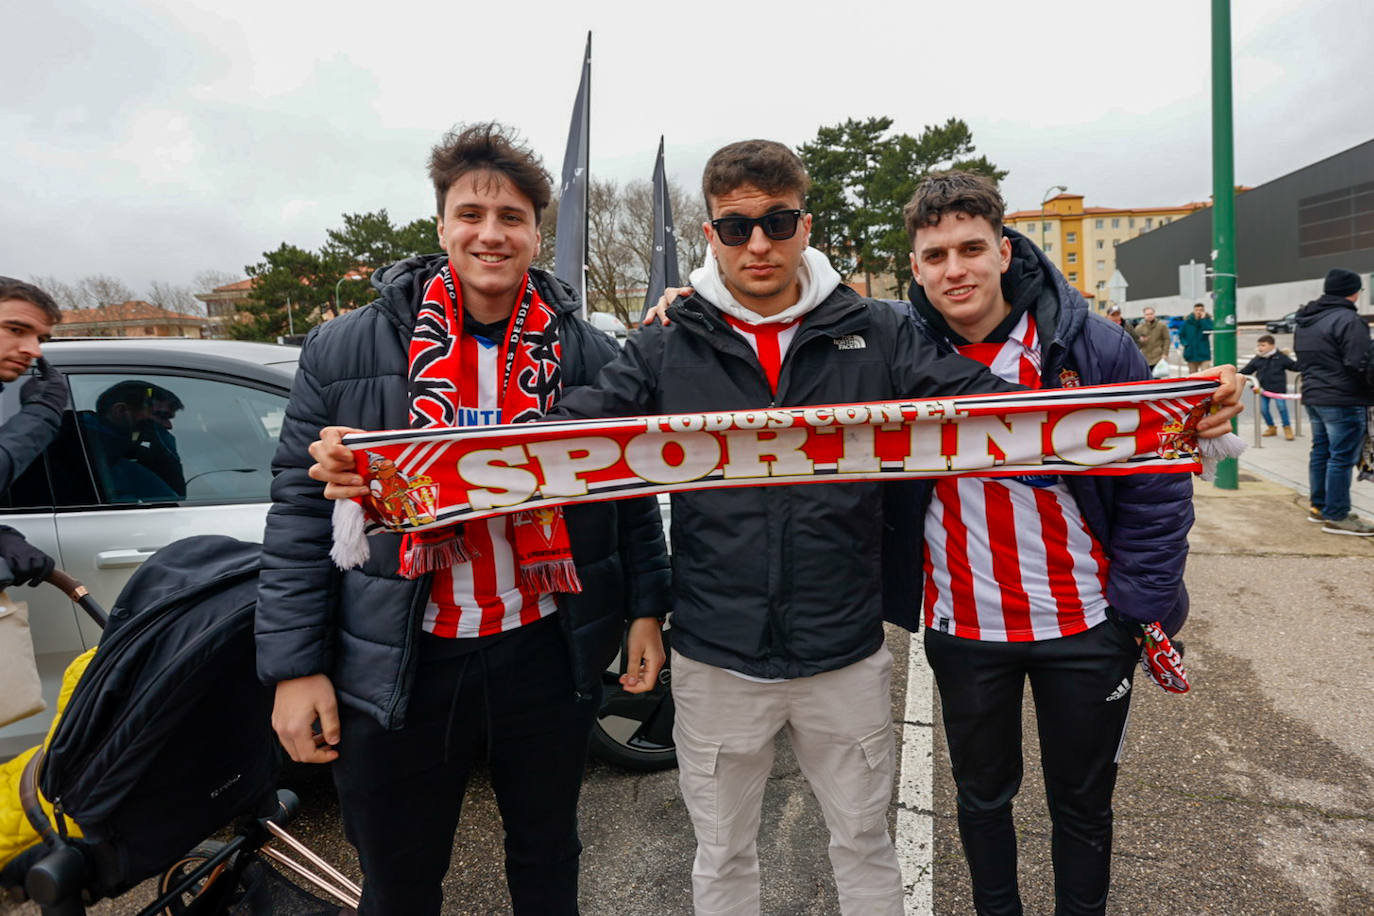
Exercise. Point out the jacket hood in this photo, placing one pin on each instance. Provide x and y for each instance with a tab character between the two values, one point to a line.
401	286
1031	283
818	280
1309	313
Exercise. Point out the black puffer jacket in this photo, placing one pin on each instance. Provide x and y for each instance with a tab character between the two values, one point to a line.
360	626
23	438
777	581
1332	342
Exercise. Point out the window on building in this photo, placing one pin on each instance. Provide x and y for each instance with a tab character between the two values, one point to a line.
1337	221
1073	276
1073	237
1101	243
1131	223
1101	264
1045	227
1116	222
1149	222
1165	220
1101	285
1049	246
1100	223
1073	257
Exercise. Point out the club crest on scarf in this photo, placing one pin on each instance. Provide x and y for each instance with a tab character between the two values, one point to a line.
397	500
531	357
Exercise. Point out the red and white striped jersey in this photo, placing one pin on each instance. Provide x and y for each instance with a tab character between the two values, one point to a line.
1010	559
483	596
769	342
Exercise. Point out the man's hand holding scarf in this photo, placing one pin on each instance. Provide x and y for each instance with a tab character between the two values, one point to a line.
334	465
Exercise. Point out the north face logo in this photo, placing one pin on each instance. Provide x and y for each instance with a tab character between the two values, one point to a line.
850	342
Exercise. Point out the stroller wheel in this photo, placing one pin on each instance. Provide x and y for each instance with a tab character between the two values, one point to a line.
180	869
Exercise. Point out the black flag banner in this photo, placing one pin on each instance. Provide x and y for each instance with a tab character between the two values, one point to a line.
570	251
663	256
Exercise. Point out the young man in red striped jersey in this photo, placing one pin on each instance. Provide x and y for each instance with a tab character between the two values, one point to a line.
486	643
1044	577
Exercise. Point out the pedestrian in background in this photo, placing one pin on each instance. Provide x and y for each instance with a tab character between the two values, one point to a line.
1333	345
27	316
1269	368
1114	315
1195	337
1152	337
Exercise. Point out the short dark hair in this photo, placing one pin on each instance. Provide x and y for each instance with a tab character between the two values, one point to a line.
957	192
489	147
11	288
1265	338
764	164
133	393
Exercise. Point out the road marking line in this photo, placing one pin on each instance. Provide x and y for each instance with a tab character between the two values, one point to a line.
915	801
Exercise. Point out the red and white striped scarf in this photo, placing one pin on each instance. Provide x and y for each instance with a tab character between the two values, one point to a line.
530	358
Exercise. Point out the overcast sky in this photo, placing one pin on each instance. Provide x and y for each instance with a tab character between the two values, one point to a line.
153	140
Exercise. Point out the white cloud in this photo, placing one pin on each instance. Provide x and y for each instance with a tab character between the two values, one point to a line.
159	138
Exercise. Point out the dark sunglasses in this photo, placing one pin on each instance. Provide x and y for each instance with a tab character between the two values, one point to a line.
780	225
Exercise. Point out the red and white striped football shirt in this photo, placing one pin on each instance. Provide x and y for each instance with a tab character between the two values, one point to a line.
1010	559
483	596
769	342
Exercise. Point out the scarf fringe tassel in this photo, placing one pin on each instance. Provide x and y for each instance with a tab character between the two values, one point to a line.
1213	451
419	558
350	548
553	576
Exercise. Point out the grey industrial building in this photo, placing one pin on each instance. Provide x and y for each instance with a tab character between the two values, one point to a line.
1289	233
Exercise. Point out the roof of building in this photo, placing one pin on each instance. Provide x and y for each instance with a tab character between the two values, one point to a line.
133	310
236	286
1105	211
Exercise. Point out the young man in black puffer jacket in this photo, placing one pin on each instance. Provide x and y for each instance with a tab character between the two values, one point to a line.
413	676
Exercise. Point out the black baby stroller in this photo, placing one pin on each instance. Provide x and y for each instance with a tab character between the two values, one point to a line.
166	739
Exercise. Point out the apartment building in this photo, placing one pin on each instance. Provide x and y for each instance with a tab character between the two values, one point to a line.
1082	241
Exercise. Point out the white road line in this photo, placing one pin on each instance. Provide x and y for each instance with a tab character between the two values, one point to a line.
915	817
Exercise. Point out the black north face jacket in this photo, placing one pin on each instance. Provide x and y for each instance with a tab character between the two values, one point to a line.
1334	349
360	627
777	581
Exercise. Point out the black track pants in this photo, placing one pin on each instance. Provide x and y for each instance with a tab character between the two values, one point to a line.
401	791
1081	687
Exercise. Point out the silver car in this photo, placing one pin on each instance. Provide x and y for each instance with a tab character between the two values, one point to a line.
164	439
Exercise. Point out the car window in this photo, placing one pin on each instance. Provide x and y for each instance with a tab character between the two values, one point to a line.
31	489
158	439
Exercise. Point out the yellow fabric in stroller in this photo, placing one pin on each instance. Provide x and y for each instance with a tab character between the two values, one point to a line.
16	833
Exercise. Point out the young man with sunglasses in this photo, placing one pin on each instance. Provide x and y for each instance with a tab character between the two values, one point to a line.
778	603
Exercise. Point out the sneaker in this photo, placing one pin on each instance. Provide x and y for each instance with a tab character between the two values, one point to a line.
1314	515
1351	524
1269	431
1288	433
